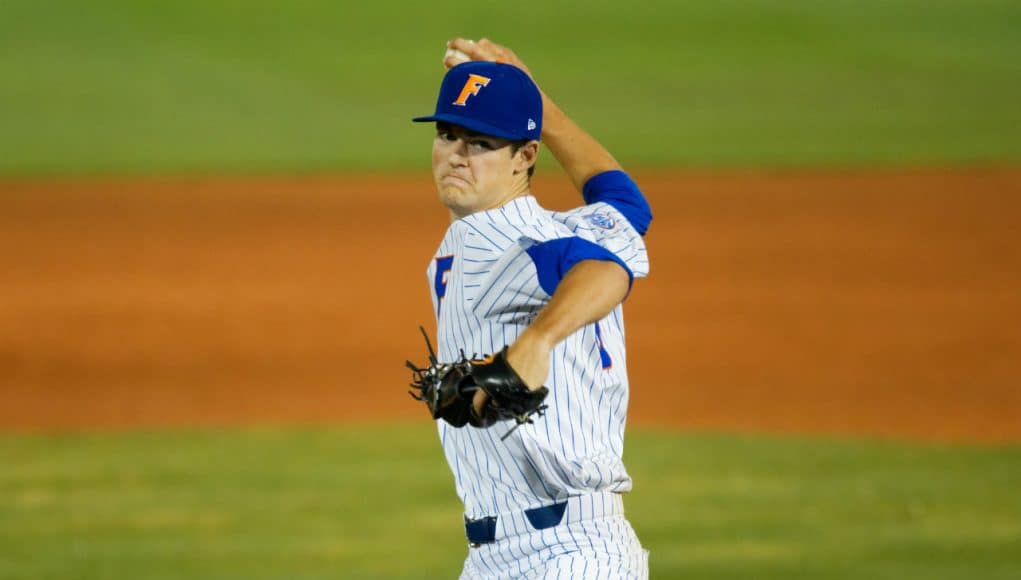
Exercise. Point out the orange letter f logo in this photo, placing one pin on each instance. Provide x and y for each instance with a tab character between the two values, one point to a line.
471	87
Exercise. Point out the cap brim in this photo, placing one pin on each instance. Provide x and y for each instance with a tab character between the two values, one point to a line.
469	123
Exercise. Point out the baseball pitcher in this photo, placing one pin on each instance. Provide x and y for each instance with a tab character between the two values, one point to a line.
528	383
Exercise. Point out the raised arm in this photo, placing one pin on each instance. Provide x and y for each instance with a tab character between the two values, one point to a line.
581	156
588	164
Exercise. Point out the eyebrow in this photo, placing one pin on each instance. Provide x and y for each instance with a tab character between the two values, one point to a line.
441	126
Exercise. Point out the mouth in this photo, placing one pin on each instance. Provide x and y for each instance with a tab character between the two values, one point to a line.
453	178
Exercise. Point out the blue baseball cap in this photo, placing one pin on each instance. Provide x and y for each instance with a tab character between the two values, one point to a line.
492	98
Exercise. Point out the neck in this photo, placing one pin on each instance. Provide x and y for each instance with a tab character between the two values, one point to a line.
515	193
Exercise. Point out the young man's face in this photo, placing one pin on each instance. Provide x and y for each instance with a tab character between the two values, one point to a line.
476	172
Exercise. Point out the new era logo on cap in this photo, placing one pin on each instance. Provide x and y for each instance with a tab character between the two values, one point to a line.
492	98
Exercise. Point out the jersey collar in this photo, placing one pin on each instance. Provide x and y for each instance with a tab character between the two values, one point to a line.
518	211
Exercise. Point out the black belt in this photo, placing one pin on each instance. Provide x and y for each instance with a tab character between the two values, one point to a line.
483	530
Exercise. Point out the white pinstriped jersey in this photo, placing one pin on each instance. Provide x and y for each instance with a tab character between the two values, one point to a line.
486	290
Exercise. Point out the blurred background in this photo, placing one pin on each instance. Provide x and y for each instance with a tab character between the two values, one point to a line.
215	219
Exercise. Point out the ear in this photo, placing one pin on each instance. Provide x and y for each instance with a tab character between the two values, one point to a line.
526	156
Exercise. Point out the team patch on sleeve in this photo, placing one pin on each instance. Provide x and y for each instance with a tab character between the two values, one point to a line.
601	220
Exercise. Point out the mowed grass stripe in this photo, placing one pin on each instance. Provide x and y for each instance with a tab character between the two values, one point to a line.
376	502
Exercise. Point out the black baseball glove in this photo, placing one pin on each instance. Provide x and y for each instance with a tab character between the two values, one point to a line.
443	388
448	389
509	397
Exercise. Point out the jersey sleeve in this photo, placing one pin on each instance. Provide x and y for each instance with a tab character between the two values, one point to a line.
617	189
603	224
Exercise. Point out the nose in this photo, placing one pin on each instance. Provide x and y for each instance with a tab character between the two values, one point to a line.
458	154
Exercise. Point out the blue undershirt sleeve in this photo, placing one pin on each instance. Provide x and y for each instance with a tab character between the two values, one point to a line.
618	189
554	258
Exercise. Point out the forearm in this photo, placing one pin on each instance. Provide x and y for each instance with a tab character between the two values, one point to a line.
587	293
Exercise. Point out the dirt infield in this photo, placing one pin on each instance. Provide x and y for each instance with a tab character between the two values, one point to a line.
878	303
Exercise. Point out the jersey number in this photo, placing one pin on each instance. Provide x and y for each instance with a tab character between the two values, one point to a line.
443	266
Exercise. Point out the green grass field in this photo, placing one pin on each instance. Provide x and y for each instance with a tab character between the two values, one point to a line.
378	502
122	86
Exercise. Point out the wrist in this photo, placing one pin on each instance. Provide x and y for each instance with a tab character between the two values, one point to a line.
538	337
